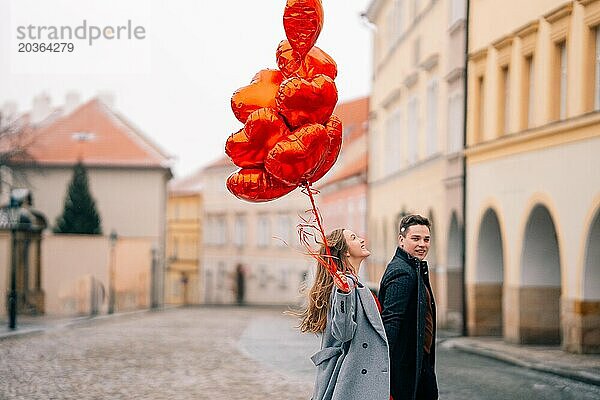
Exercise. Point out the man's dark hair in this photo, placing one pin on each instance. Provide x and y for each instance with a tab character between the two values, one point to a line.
410	220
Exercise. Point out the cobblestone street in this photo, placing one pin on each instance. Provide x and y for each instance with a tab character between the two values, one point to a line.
176	354
223	353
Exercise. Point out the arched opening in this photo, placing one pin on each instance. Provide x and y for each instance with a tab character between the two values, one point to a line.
539	294
454	273
432	258
591	280
485	295
588	327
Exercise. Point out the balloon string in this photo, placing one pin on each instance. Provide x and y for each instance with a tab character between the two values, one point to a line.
329	264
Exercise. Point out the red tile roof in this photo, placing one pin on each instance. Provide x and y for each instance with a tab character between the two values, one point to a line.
354	115
223	161
188	184
354	168
96	135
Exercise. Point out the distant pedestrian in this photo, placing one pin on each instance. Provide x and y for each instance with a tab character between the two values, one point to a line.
353	362
240	284
409	313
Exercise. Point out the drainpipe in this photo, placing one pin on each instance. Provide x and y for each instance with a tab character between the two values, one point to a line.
465	330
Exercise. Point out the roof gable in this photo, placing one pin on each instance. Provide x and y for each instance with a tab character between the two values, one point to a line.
95	134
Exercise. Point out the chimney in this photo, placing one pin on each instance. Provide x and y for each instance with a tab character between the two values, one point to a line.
72	101
107	98
8	113
41	108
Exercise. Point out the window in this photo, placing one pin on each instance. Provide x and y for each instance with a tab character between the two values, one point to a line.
216	230
362	211
284	277
597	69
263	277
414	9
221	230
457	11
455	121
347	130
391	28
528	88
174	249
504	101
393	148
239	235
432	116
480	115
417	51
399	12
561	49
221	275
413	129
284	227
263	234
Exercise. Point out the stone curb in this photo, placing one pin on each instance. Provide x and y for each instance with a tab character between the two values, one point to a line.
581	376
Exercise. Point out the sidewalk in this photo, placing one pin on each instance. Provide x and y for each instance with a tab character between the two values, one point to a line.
549	359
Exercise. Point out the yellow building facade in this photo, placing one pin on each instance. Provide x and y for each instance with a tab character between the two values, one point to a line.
184	242
416	137
533	187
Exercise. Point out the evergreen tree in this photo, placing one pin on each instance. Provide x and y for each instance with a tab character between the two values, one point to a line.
79	214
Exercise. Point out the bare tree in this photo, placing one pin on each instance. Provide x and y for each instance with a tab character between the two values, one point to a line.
15	139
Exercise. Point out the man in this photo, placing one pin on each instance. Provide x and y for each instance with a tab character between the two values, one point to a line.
408	313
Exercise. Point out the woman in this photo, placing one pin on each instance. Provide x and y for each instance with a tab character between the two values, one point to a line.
353	362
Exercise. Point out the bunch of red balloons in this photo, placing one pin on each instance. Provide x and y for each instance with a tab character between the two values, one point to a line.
290	137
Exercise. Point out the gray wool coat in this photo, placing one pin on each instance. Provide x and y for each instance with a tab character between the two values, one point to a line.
353	363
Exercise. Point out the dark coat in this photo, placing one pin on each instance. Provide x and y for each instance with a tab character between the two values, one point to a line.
353	363
404	300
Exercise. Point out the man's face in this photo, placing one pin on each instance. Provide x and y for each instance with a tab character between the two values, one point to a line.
415	241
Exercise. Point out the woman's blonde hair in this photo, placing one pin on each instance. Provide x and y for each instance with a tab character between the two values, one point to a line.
314	317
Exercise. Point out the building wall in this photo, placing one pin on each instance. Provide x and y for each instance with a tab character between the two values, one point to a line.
274	270
533	191
415	131
130	201
71	264
184	240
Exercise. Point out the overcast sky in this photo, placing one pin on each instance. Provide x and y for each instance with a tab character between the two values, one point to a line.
175	84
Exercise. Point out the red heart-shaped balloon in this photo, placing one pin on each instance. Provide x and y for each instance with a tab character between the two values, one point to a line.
249	146
259	93
302	21
316	62
256	185
302	101
294	159
334	133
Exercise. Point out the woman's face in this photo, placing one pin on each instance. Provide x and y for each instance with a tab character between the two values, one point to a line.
356	246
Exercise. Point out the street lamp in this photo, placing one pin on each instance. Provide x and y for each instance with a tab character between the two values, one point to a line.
153	277
13	220
111	278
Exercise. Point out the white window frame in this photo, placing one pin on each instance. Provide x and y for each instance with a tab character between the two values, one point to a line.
239	230
432	116
455	121
412	129
457	11
263	228
284	225
393	143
